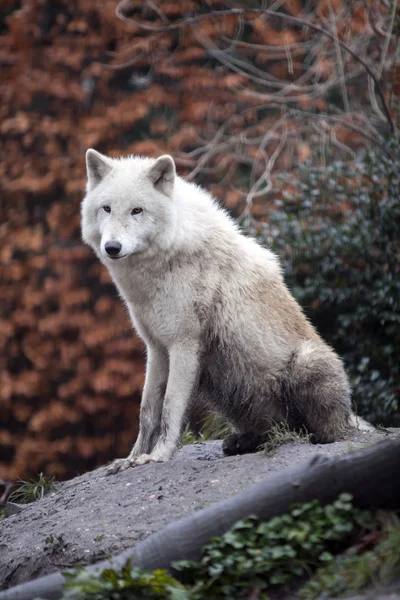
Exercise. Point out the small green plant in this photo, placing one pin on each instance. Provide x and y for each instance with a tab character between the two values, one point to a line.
260	555
189	437
280	434
213	427
55	544
29	491
127	583
353	571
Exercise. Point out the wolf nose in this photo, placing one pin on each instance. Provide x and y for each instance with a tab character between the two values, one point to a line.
112	248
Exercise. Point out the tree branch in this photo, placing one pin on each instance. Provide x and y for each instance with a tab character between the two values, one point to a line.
122	7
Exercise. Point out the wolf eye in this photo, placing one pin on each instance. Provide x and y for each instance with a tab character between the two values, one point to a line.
107	209
136	211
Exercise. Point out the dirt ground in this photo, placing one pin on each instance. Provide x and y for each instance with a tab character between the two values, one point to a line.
92	516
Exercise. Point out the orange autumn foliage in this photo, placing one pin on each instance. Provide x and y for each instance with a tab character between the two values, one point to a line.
75	76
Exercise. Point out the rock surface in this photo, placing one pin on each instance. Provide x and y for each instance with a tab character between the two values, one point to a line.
94	515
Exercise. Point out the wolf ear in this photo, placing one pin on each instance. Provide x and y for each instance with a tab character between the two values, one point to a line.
97	167
162	174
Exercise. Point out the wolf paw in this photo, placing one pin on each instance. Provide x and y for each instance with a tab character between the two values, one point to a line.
143	459
241	443
120	464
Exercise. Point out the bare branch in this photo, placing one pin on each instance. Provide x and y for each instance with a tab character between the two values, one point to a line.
122	6
339	58
387	40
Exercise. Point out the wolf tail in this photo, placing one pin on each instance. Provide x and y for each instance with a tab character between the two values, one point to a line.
359	423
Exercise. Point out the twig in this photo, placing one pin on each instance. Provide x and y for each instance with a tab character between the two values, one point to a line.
339	59
387	40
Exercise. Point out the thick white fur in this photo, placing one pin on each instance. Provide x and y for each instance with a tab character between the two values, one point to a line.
193	282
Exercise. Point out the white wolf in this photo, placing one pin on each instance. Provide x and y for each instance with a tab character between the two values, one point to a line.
218	321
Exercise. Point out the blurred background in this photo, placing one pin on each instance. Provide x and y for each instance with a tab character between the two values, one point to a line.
287	110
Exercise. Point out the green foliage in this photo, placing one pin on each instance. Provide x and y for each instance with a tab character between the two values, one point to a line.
127	583
260	555
352	571
29	491
338	233
189	437
251	555
213	427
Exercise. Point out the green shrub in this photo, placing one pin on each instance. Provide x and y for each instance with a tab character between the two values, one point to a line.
338	233
353	571
258	555
251	555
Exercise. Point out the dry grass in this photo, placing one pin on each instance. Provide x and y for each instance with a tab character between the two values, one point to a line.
281	434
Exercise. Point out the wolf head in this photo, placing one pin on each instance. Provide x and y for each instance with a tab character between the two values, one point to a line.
128	208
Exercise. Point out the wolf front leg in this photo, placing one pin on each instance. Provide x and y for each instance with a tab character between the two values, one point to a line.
150	408
182	380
